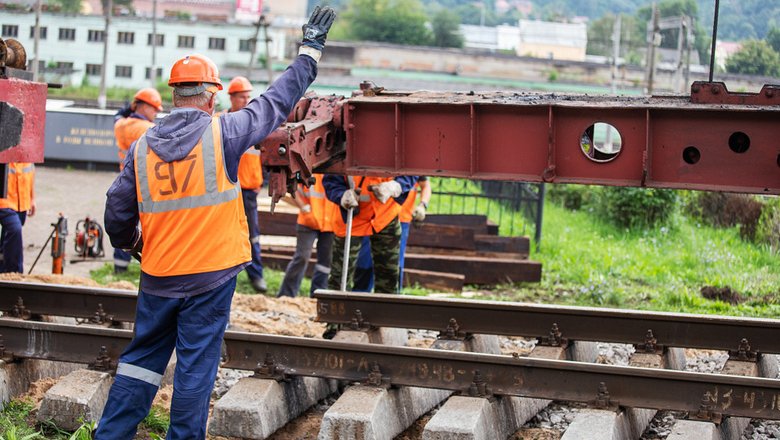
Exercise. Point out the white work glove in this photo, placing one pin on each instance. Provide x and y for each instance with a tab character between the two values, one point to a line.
385	190
349	199
419	212
306	208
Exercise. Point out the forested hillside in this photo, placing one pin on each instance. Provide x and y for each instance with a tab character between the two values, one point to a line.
739	19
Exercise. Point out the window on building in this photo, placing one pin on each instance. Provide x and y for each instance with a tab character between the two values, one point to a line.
125	38
245	45
186	41
41	65
43	32
67	34
124	71
94	69
96	36
149	73
64	66
160	40
10	30
216	43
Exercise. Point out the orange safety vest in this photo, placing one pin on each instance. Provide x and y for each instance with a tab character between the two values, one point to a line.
371	216
192	215
323	211
250	171
407	209
20	186
127	131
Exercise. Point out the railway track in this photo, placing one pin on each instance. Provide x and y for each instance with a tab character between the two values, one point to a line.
715	397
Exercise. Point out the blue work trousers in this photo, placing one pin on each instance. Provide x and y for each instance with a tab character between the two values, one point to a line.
364	268
11	240
194	326
255	268
293	275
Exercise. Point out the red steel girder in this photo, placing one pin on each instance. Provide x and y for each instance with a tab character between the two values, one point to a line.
29	99
667	142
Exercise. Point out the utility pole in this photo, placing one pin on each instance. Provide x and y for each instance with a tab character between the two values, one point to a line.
102	94
688	46
654	41
678	73
153	73
36	44
253	49
615	52
268	66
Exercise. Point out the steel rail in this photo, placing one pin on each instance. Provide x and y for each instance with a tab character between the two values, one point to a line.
534	320
63	300
456	371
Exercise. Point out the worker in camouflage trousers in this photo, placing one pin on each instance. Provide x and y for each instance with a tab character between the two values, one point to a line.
376	204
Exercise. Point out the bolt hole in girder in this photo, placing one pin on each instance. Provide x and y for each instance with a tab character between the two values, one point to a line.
601	142
318	146
739	142
691	155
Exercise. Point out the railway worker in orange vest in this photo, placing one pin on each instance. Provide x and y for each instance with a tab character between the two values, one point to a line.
410	210
14	209
315	222
250	176
377	203
131	122
182	183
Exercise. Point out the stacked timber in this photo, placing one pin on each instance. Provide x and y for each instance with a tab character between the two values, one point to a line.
443	253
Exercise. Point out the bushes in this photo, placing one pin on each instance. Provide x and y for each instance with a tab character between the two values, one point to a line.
624	207
768	230
726	210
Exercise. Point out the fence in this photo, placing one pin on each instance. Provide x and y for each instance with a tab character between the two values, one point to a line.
500	201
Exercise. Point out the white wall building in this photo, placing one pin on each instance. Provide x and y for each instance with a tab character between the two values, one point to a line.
540	39
72	46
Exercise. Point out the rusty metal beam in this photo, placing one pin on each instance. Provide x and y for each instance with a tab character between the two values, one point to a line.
97	304
534	320
667	142
457	371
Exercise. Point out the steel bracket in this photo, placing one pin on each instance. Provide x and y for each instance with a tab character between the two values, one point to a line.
375	379
101	317
650	346
480	388
453	332
744	353
103	361
6	356
603	400
20	311
269	369
704	92
707	411
359	324
555	338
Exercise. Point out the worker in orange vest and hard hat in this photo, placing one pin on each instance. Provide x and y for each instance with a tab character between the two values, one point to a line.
14	208
181	182
250	176
131	122
315	222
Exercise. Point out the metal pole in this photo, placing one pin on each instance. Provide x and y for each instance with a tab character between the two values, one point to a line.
615	52
347	240
539	216
651	58
253	49
268	53
153	73
714	38
102	94
36	44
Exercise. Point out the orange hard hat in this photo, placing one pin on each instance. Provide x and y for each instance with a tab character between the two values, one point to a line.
150	96
239	84
194	68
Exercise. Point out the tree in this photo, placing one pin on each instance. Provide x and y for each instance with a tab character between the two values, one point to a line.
755	58
446	29
773	38
68	6
388	21
676	8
